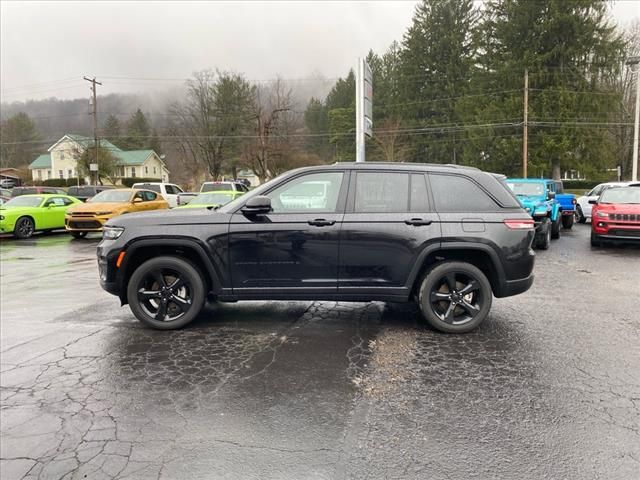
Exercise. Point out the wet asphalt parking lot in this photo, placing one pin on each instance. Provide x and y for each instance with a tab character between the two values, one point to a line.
548	387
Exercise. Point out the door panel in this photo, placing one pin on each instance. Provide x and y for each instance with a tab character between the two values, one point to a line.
294	248
378	248
284	251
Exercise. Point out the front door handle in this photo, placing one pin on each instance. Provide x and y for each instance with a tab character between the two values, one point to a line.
321	222
418	222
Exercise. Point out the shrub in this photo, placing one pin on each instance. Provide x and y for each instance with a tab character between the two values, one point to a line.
55	182
72	182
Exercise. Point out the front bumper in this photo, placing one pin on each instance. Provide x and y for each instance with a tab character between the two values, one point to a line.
85	224
606	229
6	227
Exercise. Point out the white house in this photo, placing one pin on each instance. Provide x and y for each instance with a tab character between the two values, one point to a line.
61	161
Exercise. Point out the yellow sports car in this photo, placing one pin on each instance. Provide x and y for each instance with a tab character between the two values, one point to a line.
91	216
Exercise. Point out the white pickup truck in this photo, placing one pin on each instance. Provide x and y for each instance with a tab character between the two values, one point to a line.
169	191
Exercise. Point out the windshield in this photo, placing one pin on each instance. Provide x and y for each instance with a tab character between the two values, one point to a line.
212	199
24	201
217	187
112	196
624	195
526	188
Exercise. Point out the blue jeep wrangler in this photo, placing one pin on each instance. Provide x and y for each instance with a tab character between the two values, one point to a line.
549	207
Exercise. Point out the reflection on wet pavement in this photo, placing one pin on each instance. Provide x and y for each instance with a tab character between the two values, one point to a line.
549	387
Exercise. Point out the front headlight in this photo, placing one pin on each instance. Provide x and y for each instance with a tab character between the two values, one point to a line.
111	233
540	211
602	215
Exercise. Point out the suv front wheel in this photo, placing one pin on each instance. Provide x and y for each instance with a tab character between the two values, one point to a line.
166	293
455	297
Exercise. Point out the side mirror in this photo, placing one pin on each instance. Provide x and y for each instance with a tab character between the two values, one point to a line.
551	195
137	200
259	205
593	202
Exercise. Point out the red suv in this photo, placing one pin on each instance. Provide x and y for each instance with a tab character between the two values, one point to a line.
616	215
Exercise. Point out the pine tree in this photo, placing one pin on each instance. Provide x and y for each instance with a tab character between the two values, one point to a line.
138	131
438	53
570	49
19	136
112	129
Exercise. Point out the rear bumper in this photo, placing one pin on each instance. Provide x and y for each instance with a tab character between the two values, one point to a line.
515	287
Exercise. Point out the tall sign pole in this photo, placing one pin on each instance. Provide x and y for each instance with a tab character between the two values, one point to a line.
93	82
525	133
364	107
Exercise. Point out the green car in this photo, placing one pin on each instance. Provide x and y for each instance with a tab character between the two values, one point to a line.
27	214
212	199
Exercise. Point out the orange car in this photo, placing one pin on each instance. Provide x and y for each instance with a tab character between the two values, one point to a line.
91	216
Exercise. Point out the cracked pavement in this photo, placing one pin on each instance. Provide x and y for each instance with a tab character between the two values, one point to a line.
548	387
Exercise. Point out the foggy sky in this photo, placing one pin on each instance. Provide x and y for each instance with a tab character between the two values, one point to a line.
46	47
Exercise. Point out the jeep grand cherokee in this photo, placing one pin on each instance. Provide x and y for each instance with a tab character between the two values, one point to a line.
448	237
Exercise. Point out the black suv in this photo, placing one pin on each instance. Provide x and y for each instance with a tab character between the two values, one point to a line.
447	237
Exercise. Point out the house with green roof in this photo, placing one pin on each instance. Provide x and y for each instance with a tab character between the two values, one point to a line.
61	160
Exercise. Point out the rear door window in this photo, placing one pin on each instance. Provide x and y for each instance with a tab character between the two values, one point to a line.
455	193
382	192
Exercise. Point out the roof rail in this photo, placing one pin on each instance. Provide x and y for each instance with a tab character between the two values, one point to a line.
449	165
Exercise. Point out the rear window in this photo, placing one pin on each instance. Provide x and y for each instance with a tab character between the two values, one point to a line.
217	187
23	191
146	186
454	193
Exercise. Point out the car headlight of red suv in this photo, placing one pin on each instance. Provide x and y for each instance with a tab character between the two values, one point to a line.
602	215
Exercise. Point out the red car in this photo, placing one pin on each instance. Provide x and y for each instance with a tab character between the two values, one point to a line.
616	216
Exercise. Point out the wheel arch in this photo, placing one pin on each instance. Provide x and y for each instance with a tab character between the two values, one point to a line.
140	251
31	217
477	254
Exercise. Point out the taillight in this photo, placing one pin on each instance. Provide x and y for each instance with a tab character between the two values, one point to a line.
520	224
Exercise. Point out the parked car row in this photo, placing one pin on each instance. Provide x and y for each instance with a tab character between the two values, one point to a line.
34	209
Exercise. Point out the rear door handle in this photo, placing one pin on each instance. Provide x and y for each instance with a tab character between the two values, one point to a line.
418	222
321	222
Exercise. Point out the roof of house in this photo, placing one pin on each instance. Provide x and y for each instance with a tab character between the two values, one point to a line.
125	157
43	161
132	157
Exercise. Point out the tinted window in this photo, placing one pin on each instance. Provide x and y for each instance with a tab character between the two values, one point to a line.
317	192
453	193
596	191
217	187
23	191
149	196
382	192
419	201
58	202
155	188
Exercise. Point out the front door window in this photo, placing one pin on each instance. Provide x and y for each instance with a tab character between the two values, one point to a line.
317	193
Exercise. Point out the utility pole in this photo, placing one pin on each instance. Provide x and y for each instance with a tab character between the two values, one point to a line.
634	63
93	82
525	137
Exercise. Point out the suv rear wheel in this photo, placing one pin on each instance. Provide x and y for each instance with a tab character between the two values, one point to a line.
455	297
166	293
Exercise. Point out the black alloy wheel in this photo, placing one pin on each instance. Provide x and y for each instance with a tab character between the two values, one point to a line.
166	293
455	297
24	228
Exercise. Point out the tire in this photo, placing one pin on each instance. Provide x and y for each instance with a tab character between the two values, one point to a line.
555	228
567	222
79	234
24	228
457	313
580	215
156	305
543	239
595	240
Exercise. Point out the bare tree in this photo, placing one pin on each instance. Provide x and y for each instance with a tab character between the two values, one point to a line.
388	140
215	118
275	122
